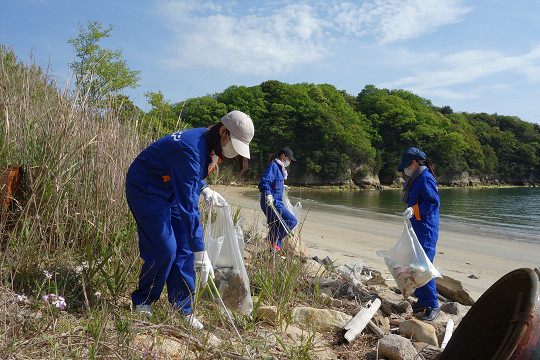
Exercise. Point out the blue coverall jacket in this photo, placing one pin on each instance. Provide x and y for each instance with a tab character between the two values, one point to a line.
272	182
163	185
424	199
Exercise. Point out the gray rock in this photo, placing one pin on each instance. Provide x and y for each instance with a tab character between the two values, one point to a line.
313	268
395	347
389	308
268	314
403	307
454	308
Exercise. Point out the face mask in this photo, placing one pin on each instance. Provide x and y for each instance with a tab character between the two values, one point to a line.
408	171
228	151
286	163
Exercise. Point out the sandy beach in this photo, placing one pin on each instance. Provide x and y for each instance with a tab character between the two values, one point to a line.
345	238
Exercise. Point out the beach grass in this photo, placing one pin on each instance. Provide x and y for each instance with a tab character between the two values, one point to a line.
69	251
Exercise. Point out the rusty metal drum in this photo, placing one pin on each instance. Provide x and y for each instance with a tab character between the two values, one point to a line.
503	324
529	345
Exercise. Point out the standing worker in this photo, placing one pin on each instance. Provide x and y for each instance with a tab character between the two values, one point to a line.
422	198
271	187
163	185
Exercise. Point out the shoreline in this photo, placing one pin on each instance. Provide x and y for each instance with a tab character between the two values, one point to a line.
347	237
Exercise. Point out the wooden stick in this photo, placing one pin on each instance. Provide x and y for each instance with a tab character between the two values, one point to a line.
376	330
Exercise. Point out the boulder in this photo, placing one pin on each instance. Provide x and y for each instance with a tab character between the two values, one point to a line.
320	320
454	308
453	290
419	331
395	347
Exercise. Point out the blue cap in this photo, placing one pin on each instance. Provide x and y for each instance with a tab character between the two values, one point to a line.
409	155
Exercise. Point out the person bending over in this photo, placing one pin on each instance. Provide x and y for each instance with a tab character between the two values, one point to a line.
163	186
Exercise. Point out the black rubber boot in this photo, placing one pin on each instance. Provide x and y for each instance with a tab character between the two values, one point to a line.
431	314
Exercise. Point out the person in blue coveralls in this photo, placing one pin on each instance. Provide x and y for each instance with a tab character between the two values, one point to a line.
271	187
422	198
163	186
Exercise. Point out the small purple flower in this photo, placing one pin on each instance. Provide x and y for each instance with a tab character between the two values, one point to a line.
58	301
48	275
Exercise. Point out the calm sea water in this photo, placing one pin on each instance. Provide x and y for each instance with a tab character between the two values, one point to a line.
509	213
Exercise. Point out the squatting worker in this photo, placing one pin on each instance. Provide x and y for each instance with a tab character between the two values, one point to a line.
271	187
163	185
422	198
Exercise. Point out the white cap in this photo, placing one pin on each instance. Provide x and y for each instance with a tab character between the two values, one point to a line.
241	129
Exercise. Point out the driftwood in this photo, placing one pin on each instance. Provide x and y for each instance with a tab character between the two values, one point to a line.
452	289
376	330
358	323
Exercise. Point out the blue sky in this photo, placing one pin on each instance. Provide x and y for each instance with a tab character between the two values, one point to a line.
475	56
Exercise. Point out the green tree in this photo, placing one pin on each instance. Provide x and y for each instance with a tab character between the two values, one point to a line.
161	118
203	111
99	72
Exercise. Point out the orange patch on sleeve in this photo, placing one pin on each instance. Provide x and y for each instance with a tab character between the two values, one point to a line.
166	178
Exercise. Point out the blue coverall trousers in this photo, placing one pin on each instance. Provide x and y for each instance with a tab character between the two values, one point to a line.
277	231
163	245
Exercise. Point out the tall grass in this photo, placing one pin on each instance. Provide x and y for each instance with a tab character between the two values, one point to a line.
74	160
71	233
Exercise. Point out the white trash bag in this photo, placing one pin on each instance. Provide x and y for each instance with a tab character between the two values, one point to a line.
296	210
230	272
408	263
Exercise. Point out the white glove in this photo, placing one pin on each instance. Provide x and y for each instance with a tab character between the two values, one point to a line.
408	213
203	266
269	200
213	198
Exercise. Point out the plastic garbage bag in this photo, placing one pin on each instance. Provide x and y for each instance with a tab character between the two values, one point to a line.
408	263
296	210
231	277
213	238
240	234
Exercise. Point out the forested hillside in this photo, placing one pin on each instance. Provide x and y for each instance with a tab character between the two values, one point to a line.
339	138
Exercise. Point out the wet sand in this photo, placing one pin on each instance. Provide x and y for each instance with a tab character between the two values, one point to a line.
347	237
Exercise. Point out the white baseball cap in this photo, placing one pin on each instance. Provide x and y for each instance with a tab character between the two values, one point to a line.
241	128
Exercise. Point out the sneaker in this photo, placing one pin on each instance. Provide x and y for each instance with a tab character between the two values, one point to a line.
273	246
143	309
431	313
193	322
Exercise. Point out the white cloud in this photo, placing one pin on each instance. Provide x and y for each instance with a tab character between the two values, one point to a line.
469	68
395	20
401	20
280	35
